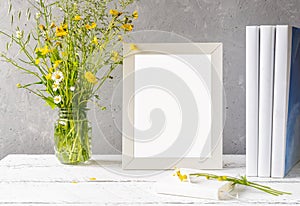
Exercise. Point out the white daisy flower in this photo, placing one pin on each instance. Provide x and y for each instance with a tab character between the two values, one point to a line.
72	88
55	86
57	76
19	34
57	99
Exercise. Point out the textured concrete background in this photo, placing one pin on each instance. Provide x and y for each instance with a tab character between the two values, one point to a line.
26	126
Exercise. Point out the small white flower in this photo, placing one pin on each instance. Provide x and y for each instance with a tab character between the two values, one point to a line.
57	99
72	88
19	34
57	76
37	15
55	86
63	122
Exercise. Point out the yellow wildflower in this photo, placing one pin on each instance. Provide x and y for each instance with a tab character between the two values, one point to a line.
87	26
45	50
74	182
127	27
64	26
92	26
50	69
42	51
90	77
42	27
37	61
77	18
61	31
48	76
93	178
114	12
133	47
182	177
52	25
56	63
135	14
120	37
19	85
95	40
115	56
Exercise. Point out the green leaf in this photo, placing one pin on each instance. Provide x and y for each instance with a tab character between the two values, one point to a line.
19	15
50	102
35	83
10	7
97	96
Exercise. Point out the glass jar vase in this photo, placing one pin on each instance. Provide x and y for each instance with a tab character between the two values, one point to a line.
72	136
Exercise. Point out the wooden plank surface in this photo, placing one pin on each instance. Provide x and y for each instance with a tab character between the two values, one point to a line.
42	180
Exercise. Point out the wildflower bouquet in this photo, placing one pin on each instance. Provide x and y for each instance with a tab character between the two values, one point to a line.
71	42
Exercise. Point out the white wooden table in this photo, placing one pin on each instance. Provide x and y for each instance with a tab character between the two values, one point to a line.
42	180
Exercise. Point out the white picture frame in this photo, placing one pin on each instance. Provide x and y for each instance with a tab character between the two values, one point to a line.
145	63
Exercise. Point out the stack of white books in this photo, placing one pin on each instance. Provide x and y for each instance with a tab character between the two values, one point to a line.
272	100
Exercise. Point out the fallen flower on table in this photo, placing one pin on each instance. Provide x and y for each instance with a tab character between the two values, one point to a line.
241	181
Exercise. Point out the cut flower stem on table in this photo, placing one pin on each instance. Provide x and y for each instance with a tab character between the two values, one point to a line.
235	181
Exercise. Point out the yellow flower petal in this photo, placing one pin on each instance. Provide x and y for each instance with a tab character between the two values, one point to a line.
114	12
57	63
120	37
48	76
135	14
90	77
52	25
182	177
95	40
93	25
133	47
93	178
50	69
115	56
127	27
61	30
37	61
19	85
42	27
77	18
88	26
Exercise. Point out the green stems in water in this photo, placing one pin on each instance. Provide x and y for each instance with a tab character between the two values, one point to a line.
72	135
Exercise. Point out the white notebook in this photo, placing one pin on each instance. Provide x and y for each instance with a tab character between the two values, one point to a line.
267	47
286	113
280	99
252	87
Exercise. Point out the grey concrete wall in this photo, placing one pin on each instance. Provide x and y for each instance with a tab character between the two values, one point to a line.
26	125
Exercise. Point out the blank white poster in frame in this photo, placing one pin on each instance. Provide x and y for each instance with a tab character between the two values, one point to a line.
172	106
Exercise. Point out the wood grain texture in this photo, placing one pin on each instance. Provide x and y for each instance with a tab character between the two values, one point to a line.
42	180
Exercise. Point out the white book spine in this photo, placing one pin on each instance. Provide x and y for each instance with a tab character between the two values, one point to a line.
267	44
280	106
252	85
